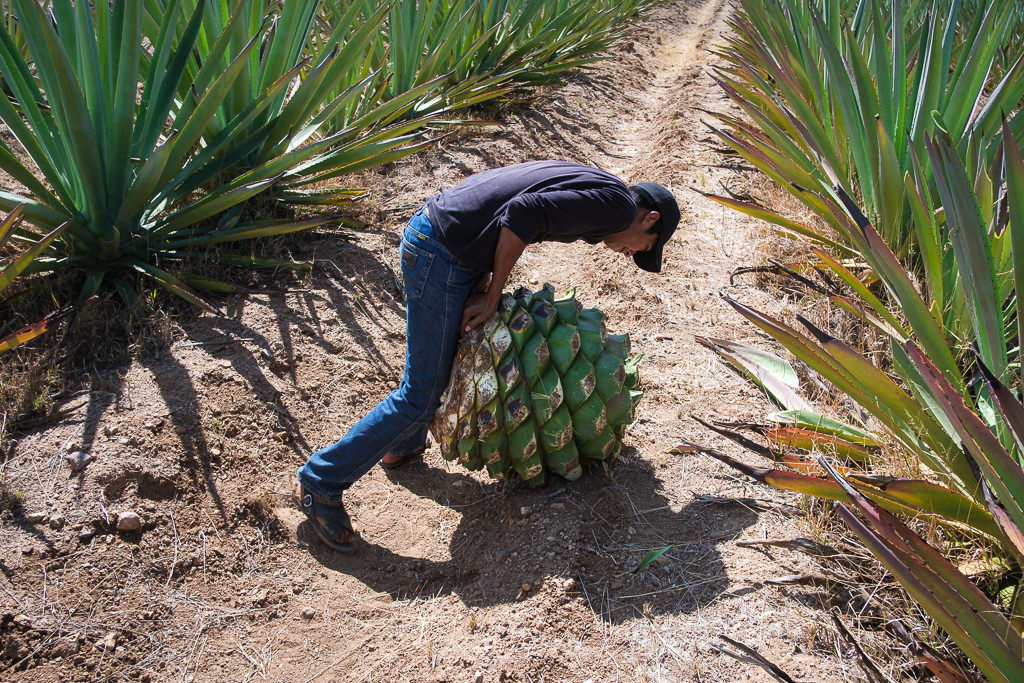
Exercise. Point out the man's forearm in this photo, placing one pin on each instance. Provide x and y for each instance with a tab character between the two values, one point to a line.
508	251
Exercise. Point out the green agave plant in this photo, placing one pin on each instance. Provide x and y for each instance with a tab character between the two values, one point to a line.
115	163
843	103
479	51
844	110
294	80
969	437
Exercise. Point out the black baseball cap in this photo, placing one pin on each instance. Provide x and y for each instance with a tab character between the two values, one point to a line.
665	204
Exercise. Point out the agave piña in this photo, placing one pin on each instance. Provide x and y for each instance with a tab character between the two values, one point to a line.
539	387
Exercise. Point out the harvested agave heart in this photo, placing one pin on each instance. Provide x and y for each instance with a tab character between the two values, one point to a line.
541	386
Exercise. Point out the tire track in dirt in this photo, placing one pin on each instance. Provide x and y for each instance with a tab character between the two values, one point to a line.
680	62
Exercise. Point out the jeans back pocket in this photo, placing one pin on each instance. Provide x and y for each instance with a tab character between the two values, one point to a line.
415	267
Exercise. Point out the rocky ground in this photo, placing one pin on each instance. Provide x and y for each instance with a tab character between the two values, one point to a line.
154	542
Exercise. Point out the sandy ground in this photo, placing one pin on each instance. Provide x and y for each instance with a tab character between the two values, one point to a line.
460	578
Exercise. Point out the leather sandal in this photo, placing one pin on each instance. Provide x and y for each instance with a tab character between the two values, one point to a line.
329	520
407	459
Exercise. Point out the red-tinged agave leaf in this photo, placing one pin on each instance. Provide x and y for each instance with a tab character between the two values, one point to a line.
887	393
18	265
11	222
906	496
806	439
1013	532
806	466
1006	403
862	313
1013	163
897	280
820	360
859	287
958	606
932	498
800	483
940	600
891	400
781	479
940	667
1002	472
787	225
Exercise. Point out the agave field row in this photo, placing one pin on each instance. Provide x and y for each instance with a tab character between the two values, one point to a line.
897	126
146	131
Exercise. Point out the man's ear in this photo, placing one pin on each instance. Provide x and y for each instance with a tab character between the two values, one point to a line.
651	218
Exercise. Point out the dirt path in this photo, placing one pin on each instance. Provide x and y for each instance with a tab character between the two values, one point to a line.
461	578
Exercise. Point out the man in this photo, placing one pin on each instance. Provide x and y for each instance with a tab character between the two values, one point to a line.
480	226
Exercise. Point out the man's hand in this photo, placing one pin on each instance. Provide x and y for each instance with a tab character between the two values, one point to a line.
480	307
477	310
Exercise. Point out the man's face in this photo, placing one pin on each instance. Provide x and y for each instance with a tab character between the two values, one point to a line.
637	237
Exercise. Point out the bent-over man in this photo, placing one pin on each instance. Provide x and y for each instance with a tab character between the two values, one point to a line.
480	226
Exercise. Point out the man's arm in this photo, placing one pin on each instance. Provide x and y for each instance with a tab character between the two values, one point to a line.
480	307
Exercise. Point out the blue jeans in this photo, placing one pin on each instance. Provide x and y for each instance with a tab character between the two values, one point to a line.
436	288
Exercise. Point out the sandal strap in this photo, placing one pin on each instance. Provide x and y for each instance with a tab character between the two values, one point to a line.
331	517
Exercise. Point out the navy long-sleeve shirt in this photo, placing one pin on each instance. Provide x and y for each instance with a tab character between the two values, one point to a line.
538	201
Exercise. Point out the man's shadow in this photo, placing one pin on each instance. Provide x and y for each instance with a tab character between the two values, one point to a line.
582	539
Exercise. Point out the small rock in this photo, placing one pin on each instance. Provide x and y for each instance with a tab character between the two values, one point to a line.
307	613
57	522
77	460
23	621
85	534
70	446
27	550
35	517
478	677
500	556
297	588
180	429
392	385
558	506
109	430
107	642
260	597
617	586
526	587
661	561
128	521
